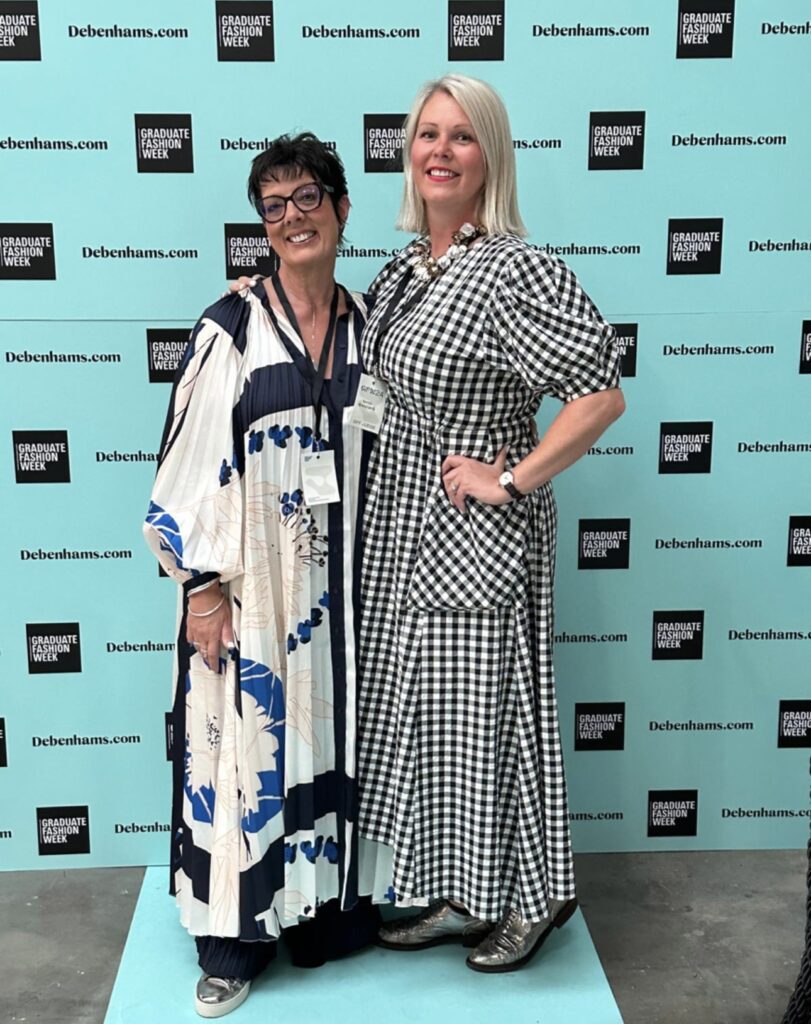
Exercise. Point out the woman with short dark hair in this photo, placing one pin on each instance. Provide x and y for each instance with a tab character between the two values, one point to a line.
254	512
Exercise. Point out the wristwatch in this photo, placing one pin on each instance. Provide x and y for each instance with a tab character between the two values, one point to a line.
507	481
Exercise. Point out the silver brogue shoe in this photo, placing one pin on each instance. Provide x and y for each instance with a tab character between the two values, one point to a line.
514	941
434	925
214	997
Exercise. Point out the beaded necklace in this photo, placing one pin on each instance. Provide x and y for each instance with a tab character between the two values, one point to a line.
426	268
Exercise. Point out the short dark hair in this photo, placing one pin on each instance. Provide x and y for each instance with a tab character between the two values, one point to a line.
290	155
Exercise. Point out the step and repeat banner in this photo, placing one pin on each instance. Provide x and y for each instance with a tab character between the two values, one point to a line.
663	151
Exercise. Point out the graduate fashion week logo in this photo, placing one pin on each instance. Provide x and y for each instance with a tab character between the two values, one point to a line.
805	348
245	30
604	543
27	252
678	636
53	647
248	251
19	30
63	830
685	447
164	143
383	139
672	812
165	347
41	456
799	540
694	245
3	747
476	30
599	726
705	28
626	343
169	733
794	727
616	140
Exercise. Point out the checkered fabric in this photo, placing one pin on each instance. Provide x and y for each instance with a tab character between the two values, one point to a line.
460	764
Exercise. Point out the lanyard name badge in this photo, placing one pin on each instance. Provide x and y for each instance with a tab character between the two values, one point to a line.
319	479
370	401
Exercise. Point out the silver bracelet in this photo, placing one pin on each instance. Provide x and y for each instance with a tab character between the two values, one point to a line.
204	615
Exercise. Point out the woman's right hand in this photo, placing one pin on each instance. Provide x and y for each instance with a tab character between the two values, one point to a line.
208	632
244	282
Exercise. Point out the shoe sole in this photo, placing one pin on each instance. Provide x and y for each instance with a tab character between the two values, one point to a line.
468	941
558	922
212	1010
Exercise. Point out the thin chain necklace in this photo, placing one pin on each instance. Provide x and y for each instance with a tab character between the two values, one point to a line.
426	268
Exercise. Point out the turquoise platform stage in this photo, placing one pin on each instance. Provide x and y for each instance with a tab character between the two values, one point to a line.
564	984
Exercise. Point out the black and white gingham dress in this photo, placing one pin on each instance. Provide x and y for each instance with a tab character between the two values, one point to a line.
460	764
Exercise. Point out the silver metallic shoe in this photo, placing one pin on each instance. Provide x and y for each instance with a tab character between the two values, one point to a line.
435	924
215	997
514	941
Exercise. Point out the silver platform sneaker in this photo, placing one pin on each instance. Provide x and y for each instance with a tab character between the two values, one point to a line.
215	997
434	925
514	941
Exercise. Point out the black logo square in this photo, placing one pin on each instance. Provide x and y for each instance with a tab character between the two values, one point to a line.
794	724
705	28
3	744
169	733
603	543
678	636
685	447
163	143
799	540
476	30
694	245
616	140
27	252
165	347
383	138
805	348
41	456
63	830
19	30
599	726
53	647
245	30
672	812
626	342
248	251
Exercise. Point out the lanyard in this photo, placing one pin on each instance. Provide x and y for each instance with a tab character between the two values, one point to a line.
393	308
315	376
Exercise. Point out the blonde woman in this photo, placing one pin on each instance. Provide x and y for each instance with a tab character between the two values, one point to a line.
460	766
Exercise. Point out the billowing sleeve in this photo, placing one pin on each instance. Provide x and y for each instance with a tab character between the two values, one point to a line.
550	332
194	521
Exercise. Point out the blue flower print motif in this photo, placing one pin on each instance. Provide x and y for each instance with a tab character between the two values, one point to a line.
305	436
290	853
311	851
331	850
305	630
291	501
390	894
324	600
279	435
225	473
168	531
256	439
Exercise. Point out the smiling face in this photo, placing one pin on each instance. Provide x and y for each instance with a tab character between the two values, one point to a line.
300	238
447	162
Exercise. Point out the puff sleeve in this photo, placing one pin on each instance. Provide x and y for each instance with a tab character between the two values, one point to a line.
194	521
550	332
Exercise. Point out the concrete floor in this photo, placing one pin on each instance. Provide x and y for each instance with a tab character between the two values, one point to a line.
705	938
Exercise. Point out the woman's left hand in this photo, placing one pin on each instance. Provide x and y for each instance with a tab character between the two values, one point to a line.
468	478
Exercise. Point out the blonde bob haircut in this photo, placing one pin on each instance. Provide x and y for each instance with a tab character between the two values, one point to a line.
498	210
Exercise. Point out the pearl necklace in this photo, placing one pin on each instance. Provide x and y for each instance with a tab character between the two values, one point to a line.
426	268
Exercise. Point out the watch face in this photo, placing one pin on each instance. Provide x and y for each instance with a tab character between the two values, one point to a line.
505	478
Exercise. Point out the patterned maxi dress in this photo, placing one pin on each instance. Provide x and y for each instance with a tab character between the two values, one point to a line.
460	764
264	805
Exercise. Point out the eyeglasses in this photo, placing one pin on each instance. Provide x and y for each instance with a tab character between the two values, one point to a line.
306	198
